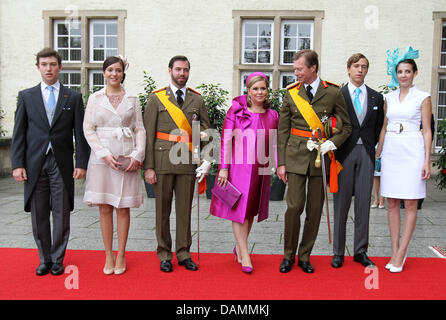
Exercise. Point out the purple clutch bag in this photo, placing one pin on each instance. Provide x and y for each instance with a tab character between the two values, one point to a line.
229	195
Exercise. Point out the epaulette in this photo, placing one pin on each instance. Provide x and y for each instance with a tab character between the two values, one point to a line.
326	83
159	90
295	84
194	91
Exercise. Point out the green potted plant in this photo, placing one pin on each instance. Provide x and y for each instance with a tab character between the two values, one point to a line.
441	162
215	99
149	86
277	186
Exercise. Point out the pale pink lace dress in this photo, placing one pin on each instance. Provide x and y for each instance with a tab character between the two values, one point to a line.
114	126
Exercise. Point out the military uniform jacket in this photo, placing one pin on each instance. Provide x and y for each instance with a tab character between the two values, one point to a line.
292	149
157	118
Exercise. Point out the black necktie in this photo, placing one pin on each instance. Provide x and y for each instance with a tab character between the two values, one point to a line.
180	98
309	93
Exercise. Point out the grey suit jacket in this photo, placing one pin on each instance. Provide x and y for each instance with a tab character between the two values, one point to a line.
32	134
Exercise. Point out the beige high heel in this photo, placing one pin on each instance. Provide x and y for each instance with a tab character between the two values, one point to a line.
119	271
109	271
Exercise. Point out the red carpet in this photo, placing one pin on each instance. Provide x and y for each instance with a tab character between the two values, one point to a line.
219	278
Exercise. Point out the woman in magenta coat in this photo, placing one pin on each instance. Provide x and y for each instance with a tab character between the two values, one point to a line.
247	157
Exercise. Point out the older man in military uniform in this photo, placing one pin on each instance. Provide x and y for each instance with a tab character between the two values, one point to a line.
307	105
167	119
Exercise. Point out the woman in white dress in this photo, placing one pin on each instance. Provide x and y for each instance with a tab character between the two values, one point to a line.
405	156
115	131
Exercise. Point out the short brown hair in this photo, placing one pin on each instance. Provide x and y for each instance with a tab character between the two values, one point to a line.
178	58
355	58
48	52
311	57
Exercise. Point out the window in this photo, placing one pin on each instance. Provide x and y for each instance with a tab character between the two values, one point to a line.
257	39
441	111
71	79
443	46
84	42
103	39
438	84
67	39
295	36
266	41
97	80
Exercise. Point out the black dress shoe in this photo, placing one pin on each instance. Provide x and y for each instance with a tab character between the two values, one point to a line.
189	264
363	259
306	266
166	266
57	269
286	265
337	261
44	268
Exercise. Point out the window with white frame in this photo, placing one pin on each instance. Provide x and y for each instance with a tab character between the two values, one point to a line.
286	78
295	35
441	111
97	80
71	79
67	39
257	41
443	46
103	39
84	42
266	41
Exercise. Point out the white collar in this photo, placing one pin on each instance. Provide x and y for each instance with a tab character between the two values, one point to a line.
352	88
174	89
314	85
56	85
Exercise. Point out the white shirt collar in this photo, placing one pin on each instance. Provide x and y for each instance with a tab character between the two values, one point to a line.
314	85
56	85
352	88
174	90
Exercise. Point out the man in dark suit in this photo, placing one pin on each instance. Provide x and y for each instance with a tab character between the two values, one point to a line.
168	110
357	156
47	117
296	163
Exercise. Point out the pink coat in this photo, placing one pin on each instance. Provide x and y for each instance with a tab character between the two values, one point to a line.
250	162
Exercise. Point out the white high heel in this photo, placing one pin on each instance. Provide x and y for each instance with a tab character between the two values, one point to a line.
394	269
389	266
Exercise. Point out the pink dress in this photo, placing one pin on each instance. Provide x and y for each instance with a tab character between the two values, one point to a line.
249	151
114	126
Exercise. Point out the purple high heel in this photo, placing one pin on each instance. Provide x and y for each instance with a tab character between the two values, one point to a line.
247	269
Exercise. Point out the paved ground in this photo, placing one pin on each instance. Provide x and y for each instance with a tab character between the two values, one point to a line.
215	233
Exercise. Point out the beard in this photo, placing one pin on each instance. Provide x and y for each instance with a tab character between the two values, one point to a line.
179	81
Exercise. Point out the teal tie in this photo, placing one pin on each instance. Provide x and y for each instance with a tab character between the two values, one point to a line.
356	102
51	99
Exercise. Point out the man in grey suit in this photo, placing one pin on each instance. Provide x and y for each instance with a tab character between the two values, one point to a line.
357	156
47	117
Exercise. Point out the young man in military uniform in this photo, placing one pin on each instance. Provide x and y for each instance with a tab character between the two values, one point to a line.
307	105
167	119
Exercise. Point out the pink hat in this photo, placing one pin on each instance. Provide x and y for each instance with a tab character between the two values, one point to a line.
256	74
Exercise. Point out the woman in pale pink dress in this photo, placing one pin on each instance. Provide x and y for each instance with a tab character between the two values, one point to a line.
114	130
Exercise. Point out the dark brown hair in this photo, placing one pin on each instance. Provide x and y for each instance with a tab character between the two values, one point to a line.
355	58
409	61
311	58
178	58
48	52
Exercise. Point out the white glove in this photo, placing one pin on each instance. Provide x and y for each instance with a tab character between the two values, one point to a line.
311	145
327	146
202	170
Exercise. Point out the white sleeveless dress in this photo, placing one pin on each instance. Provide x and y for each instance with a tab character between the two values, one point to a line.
403	152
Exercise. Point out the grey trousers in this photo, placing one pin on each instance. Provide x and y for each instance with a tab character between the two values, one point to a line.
356	179
50	195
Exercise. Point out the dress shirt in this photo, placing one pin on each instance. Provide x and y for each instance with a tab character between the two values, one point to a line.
362	95
174	90
314	85
45	96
